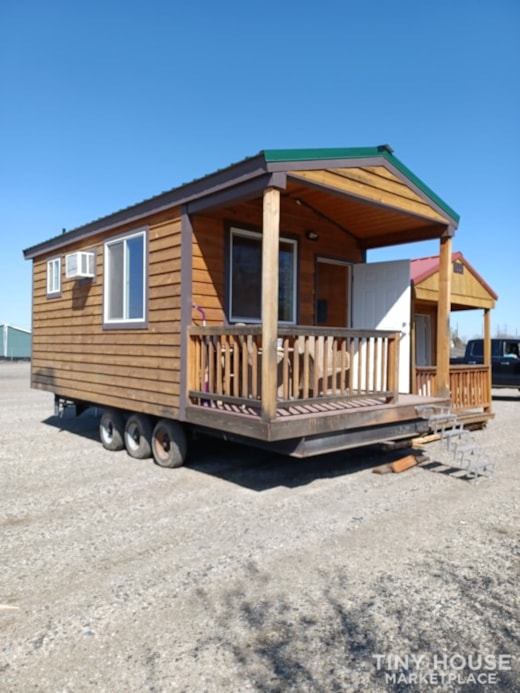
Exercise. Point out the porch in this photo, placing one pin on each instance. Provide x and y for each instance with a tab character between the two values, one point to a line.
469	384
336	383
272	278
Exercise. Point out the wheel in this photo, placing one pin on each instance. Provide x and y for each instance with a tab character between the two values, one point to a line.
112	429
169	444
138	436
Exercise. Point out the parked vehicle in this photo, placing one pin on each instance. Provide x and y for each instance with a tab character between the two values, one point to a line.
505	360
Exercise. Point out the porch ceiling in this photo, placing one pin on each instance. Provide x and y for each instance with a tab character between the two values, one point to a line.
369	203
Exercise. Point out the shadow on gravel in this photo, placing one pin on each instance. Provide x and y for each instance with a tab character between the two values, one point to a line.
247	466
259	470
85	425
335	642
446	470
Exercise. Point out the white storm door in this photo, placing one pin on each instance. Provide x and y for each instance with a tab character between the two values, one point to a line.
381	300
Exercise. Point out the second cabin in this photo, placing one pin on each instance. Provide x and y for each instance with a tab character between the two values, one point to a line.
241	304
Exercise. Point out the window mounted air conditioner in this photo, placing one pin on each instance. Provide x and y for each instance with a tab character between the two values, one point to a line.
80	265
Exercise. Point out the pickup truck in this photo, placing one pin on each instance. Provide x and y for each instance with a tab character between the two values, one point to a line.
505	360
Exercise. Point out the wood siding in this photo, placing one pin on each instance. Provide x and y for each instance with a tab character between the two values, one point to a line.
133	369
209	261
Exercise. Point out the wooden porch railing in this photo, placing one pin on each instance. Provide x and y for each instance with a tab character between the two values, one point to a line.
313	364
469	385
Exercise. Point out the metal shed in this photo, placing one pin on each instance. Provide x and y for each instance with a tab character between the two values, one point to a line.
16	342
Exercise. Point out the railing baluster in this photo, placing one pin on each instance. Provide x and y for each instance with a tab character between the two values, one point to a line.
285	368
254	369
296	368
343	366
377	379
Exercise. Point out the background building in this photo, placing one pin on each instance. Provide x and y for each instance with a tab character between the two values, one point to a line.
15	342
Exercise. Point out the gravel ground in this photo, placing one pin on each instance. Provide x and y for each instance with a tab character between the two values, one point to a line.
245	571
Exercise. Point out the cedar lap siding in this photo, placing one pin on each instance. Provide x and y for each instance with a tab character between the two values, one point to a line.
133	369
356	198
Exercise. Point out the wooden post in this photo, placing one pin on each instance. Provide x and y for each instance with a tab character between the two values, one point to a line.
413	351
443	319
487	356
270	253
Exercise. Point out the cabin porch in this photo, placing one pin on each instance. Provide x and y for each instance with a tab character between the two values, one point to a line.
335	387
469	384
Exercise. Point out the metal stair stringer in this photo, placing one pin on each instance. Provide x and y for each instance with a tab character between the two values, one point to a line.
459	445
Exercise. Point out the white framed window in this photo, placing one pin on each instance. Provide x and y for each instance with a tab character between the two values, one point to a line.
54	276
125	280
245	281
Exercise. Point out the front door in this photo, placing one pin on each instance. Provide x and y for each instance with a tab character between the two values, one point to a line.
332	282
381	300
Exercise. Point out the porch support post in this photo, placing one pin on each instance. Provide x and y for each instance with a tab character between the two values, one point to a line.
443	319
270	252
487	356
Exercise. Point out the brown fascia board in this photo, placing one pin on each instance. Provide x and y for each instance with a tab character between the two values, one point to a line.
316	165
211	184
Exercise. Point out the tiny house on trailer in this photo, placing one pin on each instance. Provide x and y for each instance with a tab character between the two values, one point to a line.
241	305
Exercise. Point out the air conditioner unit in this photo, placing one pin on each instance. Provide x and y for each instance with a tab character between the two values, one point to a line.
80	265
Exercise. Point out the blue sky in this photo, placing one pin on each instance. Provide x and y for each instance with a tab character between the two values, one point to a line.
104	104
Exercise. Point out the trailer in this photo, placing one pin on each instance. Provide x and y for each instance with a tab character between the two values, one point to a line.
241	305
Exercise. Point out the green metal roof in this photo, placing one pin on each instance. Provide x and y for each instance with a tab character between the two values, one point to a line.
381	151
316	154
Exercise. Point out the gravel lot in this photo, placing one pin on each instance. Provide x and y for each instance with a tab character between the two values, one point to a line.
244	571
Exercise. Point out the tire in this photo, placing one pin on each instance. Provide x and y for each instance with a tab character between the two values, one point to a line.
112	429
169	444
138	436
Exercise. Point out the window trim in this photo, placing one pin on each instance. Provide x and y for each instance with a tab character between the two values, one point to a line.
53	292
125	323
248	233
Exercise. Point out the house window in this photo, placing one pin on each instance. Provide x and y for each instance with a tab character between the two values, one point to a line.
125	280
246	278
54	276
